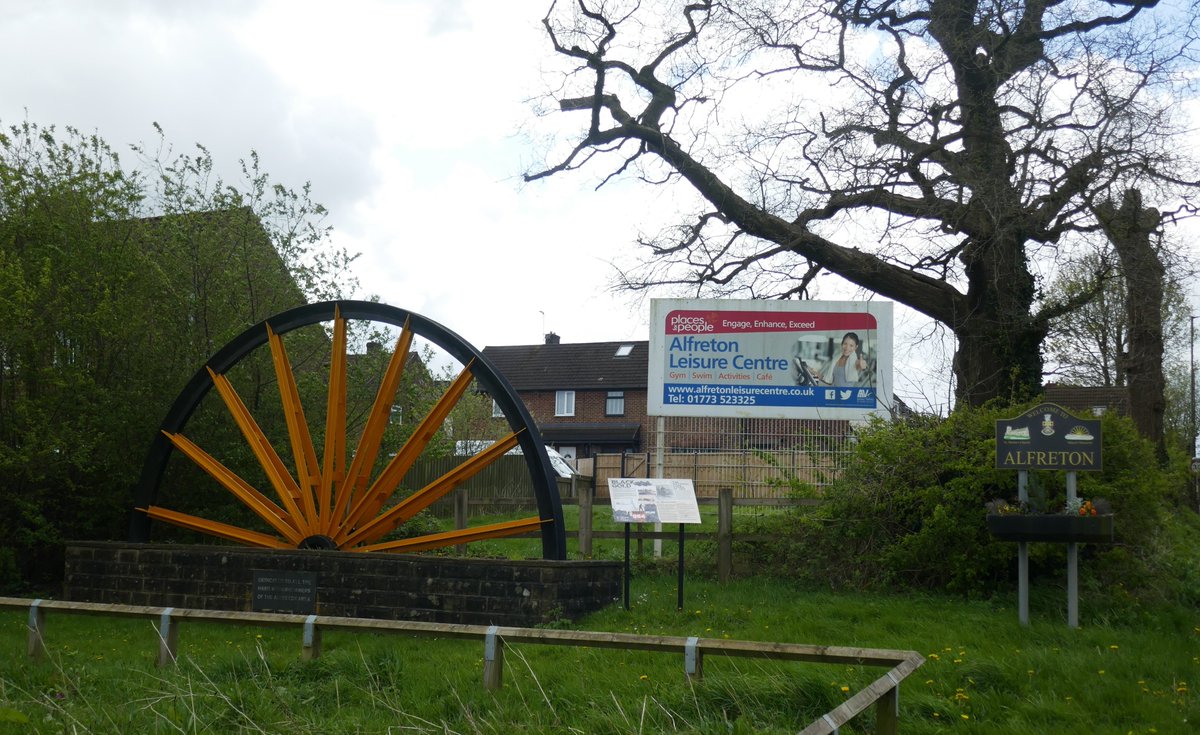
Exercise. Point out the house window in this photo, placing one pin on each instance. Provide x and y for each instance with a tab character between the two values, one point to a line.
564	403
614	404
496	412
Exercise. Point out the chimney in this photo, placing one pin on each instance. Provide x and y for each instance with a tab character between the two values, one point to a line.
552	338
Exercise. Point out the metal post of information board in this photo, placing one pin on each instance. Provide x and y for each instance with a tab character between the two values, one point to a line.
679	603
660	434
1023	554
1072	562
626	566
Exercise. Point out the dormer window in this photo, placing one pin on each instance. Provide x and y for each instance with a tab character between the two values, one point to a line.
624	350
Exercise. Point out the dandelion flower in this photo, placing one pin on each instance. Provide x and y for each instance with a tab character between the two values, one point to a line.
845	689
643	677
965	716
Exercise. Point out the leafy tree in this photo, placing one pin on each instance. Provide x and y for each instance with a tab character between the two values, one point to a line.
117	284
930	151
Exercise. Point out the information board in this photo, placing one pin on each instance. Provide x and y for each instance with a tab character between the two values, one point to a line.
770	359
645	500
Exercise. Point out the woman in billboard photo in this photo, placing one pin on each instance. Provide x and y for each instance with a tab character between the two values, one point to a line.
847	368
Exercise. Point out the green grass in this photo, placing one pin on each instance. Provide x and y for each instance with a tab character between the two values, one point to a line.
985	673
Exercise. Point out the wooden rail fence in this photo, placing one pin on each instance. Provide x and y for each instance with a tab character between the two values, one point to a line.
883	693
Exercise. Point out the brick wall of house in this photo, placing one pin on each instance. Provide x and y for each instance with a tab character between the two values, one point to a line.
589	408
349	584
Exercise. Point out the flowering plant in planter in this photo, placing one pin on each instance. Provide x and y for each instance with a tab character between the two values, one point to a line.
1080	521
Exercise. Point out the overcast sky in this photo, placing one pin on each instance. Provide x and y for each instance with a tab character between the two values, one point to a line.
406	116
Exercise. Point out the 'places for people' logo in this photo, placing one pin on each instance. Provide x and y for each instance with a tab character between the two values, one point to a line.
684	322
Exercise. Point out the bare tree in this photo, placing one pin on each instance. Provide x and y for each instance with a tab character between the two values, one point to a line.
930	151
1131	227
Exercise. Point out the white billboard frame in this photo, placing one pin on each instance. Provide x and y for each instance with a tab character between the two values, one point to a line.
752	358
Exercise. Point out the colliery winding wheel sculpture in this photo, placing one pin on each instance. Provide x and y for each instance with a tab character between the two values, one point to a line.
327	503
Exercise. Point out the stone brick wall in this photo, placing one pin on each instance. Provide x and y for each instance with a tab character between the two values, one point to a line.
349	584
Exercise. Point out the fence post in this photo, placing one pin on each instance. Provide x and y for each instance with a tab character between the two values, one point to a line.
887	711
168	638
585	520
493	660
311	647
462	509
36	648
693	660
724	534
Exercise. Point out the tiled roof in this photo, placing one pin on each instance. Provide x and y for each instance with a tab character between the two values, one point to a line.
582	366
1081	400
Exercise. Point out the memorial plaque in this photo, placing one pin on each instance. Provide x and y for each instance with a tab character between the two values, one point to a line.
285	592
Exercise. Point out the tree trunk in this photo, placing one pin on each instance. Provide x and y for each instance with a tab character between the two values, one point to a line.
991	362
999	342
1129	228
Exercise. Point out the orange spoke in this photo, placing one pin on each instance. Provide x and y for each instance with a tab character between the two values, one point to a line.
224	530
302	447
450	538
372	437
334	465
284	484
252	498
373	499
428	495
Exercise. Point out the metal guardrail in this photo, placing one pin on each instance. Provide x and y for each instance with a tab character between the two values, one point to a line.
883	693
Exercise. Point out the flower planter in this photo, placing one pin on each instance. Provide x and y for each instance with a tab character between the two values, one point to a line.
1063	528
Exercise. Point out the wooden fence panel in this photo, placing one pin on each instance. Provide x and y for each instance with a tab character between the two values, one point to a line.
503	485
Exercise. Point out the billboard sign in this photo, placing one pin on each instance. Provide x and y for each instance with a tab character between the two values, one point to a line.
770	359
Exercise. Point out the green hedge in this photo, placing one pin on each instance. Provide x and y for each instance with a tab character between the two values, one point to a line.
908	512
